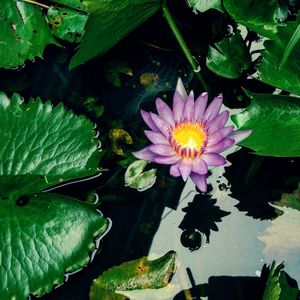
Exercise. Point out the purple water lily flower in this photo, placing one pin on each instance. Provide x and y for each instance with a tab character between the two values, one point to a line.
189	137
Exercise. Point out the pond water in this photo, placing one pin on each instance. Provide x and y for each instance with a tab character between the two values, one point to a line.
222	238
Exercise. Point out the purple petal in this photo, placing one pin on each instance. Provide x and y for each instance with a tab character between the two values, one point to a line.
156	137
162	125
219	135
163	150
220	146
213	108
185	168
189	110
178	106
199	166
148	120
145	154
164	111
200	105
174	170
167	160
213	159
218	122
200	181
181	89
239	135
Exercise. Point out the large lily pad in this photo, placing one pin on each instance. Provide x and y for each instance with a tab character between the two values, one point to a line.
257	15
108	23
134	275
24	33
42	237
275	121
42	146
277	68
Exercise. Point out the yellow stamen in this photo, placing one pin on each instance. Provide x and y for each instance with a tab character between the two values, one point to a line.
188	139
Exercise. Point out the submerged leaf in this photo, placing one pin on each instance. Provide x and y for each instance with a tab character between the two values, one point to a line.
42	238
229	58
24	33
134	275
113	69
42	146
275	121
108	23
137	179
118	136
290	200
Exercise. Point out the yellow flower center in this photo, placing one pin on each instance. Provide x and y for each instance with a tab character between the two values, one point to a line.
188	139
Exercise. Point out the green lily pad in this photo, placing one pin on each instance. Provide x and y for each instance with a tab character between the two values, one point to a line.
279	67
42	146
43	236
275	121
24	33
67	24
220	57
257	15
277	287
134	275
108	23
137	179
204	5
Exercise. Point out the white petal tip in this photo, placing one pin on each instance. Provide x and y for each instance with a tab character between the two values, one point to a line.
181	89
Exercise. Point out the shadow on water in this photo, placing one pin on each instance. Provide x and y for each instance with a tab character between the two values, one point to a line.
201	217
258	181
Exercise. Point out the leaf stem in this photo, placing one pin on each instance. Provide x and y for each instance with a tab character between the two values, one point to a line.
36	3
191	59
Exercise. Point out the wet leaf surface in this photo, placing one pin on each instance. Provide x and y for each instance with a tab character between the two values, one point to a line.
134	275
246	13
204	5
136	178
277	287
274	120
276	66
66	23
43	146
43	237
220	57
24	33
119	17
